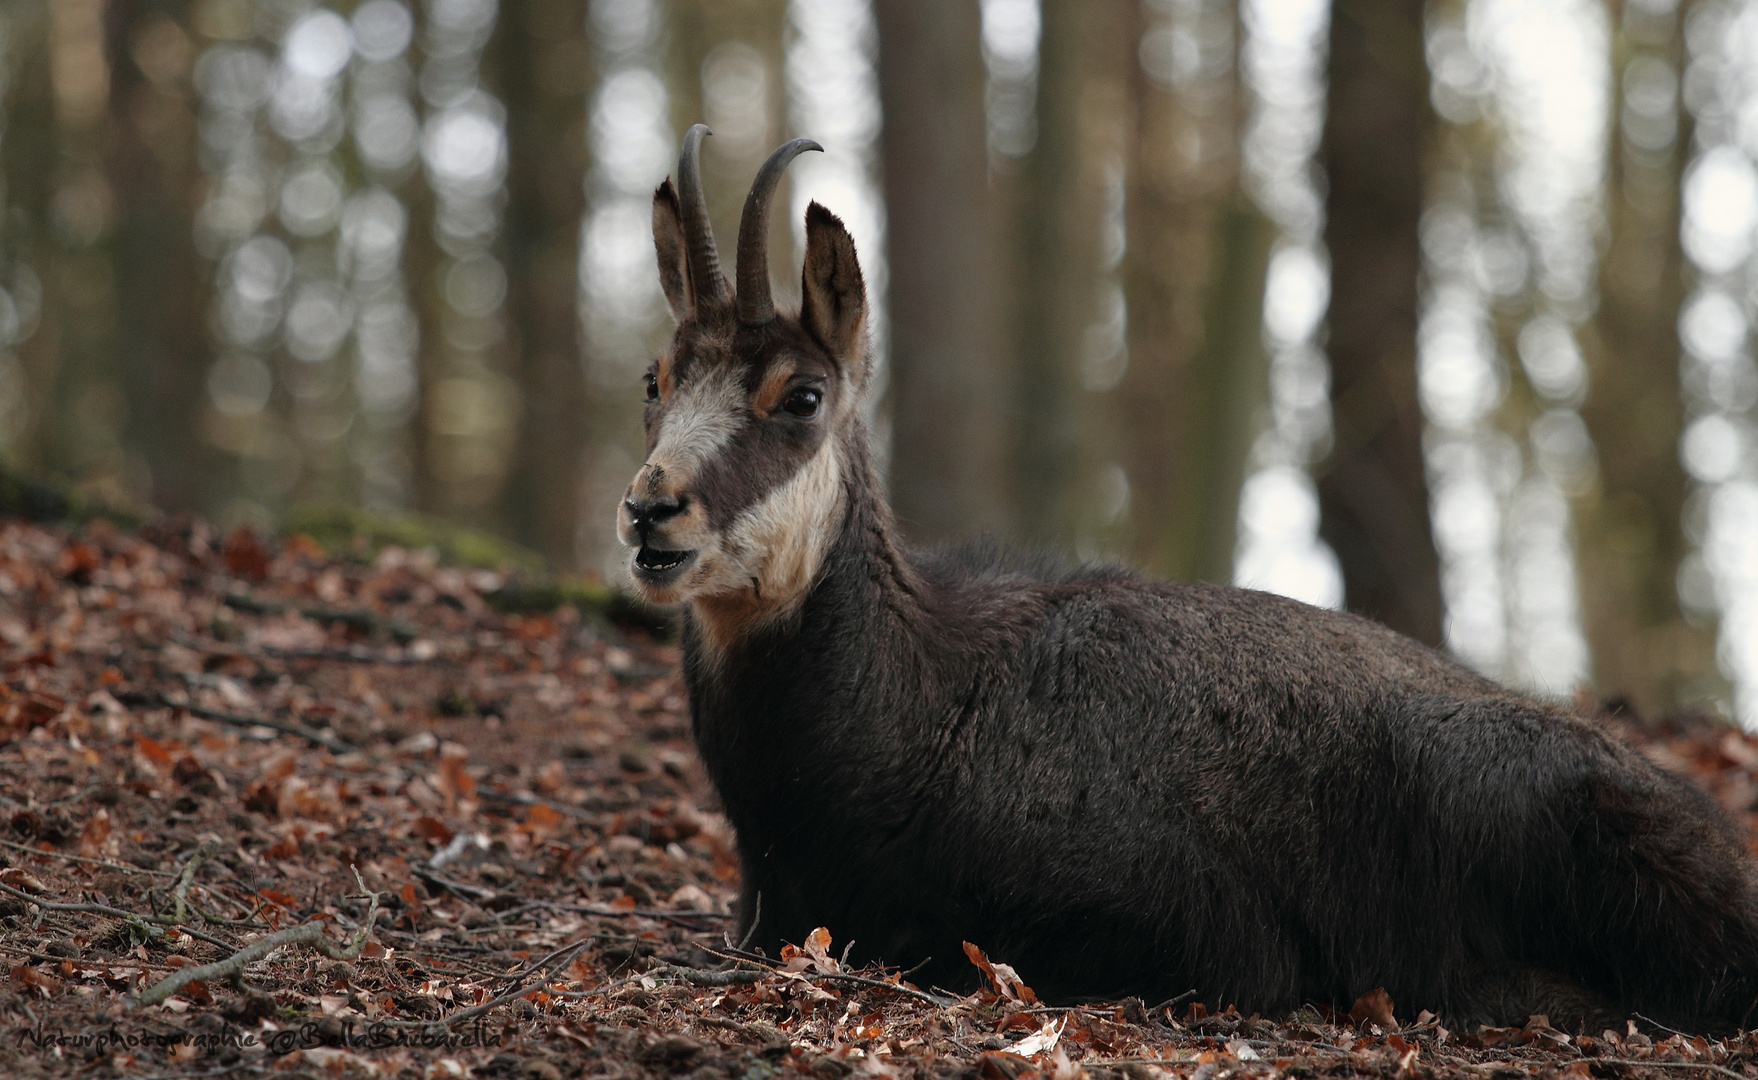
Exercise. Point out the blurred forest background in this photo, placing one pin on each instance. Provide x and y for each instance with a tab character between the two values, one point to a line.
1437	311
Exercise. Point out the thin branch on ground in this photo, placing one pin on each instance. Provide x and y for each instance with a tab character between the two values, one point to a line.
1652	1064
756	918
310	933
880	984
758	1031
1173	1002
324	739
457	888
519	991
249	922
85	963
187	878
858	980
358	618
1656	1023
233	1069
734	953
638	912
151	924
597	991
108	864
553	957
698	977
273	652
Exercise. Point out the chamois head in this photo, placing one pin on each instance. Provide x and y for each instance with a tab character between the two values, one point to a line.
748	410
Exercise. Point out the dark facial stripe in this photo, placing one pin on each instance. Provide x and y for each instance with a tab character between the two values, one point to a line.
759	459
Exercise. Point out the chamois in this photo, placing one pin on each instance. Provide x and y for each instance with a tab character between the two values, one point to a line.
1117	785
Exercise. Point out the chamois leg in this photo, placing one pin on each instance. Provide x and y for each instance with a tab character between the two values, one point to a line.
1504	995
770	912
1663	915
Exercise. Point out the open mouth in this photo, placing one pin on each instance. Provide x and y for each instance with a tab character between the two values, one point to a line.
656	563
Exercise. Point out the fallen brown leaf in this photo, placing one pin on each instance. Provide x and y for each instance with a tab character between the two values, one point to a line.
1374	1007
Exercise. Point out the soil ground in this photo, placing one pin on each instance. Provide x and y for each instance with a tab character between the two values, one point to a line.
209	743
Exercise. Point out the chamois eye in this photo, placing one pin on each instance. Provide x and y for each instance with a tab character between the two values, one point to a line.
802	402
652	387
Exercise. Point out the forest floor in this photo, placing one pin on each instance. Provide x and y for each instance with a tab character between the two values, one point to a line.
223	760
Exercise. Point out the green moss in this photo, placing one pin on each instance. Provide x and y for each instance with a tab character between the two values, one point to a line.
595	600
346	532
349	532
52	502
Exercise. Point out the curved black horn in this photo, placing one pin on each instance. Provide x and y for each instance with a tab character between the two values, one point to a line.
705	275
755	305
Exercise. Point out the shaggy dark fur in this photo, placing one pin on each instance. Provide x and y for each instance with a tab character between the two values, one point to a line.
1121	786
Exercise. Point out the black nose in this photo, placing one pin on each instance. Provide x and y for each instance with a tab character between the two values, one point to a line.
648	513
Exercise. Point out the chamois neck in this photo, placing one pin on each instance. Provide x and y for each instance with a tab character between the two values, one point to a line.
866	576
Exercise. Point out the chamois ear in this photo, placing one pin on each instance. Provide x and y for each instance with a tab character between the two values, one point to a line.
674	257
833	307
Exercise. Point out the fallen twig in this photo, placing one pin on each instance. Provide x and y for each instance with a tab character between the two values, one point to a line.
680	916
733	952
880	984
858	980
1173	1002
310	933
756	917
108	864
757	1032
698	977
156	700
457	888
274	652
84	963
646	913
519	991
598	991
187	878
234	1068
1656	1023
1652	1064
358	618
147	923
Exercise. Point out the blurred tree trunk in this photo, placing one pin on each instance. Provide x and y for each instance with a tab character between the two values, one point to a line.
949	390
423	259
1222	398
1057	255
737	44
687	41
69	208
1194	275
541	67
1630	544
152	169
27	249
1372	496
